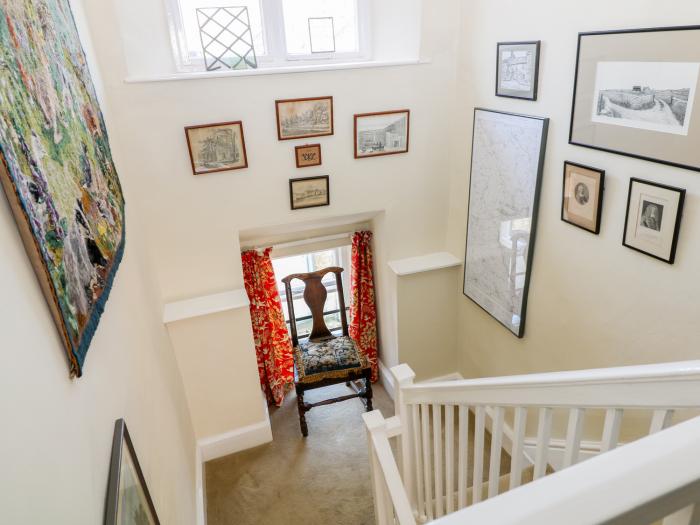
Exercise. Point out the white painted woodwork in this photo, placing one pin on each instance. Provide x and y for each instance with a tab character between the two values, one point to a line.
449	458
437	459
496	449
463	463
611	429
479	431
544	431
205	305
516	461
573	436
424	263
427	460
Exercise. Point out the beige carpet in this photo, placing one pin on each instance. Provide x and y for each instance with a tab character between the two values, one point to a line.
320	480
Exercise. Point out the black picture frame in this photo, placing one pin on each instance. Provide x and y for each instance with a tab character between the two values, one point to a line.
327	202
599	213
538	45
121	438
677	222
575	93
534	218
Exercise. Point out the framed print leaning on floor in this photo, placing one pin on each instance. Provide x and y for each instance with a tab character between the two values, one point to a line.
653	219
635	94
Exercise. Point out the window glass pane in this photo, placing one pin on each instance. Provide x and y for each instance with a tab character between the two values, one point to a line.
191	25
296	24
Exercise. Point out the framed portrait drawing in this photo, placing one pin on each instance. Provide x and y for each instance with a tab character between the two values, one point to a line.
382	133
582	196
653	219
128	499
216	147
506	176
308	155
299	118
635	94
517	69
309	192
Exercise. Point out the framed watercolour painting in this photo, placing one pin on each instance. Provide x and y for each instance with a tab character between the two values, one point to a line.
653	219
635	94
308	155
128	499
300	118
504	188
517	69
57	171
309	192
383	133
216	147
582	196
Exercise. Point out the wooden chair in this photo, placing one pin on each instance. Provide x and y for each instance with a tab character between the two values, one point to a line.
323	359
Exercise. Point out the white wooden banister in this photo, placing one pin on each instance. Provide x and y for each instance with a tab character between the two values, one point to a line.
432	424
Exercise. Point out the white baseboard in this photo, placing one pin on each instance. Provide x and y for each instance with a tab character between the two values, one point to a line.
387	380
454	376
555	456
223	445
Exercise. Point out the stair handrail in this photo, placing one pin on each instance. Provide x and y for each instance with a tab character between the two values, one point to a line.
650	479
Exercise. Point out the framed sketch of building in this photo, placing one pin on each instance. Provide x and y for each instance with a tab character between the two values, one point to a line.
582	196
653	219
635	94
216	147
382	133
517	70
506	173
304	117
309	192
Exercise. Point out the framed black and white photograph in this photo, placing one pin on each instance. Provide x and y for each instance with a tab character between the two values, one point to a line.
309	192
504	188
517	71
299	118
382	133
635	94
653	220
128	499
582	196
216	147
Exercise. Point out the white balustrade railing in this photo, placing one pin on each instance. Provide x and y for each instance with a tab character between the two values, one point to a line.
433	422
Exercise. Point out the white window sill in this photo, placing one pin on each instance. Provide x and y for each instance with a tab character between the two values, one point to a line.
276	70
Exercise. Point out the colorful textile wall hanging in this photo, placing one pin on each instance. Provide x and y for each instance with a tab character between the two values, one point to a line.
57	168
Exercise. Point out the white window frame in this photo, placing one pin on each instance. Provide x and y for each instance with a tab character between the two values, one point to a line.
273	31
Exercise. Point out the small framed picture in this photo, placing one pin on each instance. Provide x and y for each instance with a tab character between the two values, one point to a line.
383	133
308	155
582	197
128	499
299	118
216	147
309	192
517	71
653	219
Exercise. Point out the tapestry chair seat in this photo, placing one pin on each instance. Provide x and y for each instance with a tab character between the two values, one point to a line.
323	359
328	358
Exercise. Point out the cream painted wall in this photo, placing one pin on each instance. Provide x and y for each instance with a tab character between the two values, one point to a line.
216	355
192	222
592	302
56	436
427	322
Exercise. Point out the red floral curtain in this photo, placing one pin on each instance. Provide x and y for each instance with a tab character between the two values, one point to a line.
272	343
363	310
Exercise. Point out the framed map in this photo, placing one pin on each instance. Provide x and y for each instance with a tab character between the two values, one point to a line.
506	174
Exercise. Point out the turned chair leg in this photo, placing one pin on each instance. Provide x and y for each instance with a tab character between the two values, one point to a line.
302	412
368	391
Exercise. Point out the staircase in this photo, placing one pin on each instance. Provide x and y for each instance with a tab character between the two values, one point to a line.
463	456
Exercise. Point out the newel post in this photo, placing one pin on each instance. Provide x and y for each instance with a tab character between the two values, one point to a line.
403	378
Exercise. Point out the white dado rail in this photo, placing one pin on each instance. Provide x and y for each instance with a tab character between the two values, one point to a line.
205	305
424	263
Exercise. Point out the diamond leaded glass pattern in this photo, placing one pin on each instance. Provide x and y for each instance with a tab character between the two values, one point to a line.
227	40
